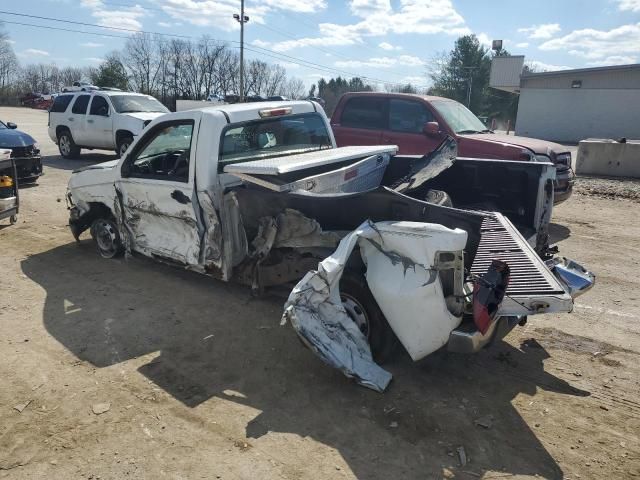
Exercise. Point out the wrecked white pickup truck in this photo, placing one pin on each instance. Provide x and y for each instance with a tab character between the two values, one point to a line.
259	194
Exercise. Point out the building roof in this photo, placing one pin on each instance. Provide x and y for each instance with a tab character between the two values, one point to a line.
610	68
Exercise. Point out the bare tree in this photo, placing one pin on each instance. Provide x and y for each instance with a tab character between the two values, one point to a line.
294	89
140	58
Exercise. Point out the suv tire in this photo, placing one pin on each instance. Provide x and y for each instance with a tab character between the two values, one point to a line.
123	143
67	147
363	309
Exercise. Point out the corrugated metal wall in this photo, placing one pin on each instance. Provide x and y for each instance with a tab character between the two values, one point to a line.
603	79
571	115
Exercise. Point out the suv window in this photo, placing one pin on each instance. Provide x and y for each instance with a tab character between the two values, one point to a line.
61	103
164	154
408	116
80	105
364	112
99	106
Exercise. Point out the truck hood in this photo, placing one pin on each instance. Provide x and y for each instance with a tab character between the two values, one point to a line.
99	166
15	138
92	176
144	115
537	146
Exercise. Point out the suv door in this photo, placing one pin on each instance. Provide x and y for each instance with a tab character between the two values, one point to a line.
76	119
157	193
99	124
362	121
407	119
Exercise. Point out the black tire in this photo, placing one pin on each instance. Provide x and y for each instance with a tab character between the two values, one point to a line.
107	237
438	197
66	145
382	341
123	143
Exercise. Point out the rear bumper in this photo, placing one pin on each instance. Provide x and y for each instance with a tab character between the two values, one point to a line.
469	339
563	185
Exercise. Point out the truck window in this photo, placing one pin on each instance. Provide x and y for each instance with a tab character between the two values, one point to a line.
273	137
408	116
80	105
364	112
165	154
99	106
61	103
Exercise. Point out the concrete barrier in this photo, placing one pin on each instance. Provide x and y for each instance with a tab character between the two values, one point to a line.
608	158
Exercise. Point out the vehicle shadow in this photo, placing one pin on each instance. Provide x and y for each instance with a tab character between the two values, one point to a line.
215	340
558	233
57	161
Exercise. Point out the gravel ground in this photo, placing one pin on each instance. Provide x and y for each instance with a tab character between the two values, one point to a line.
608	188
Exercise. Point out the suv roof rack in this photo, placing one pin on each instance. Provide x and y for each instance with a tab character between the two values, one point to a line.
110	89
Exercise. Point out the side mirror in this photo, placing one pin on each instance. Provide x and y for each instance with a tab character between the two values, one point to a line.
12	125
432	129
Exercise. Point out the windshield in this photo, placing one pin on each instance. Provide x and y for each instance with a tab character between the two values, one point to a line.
459	117
136	103
274	137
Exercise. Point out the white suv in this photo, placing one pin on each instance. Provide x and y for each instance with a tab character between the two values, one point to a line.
101	119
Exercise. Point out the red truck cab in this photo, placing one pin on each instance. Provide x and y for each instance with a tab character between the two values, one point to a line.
417	124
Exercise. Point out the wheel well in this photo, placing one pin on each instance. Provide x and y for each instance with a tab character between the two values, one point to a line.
60	129
120	134
84	221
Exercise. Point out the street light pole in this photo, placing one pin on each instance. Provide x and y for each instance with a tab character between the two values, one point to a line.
242	19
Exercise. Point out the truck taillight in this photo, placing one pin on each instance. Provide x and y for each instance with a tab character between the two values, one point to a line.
274	112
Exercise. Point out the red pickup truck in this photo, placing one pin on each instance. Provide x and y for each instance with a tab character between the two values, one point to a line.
417	124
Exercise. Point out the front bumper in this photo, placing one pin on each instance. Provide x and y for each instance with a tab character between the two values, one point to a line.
563	185
29	168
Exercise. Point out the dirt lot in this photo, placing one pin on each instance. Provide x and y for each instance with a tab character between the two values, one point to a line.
202	382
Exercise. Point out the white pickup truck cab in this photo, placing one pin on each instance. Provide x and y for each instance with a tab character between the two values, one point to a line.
100	119
259	194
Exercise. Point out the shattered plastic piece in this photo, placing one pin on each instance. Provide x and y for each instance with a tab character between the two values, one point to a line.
575	279
21	406
488	293
462	456
400	258
430	166
486	421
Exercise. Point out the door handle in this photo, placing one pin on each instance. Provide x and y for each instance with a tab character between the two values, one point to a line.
179	197
71	119
89	121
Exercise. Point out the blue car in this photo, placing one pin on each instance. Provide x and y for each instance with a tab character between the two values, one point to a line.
24	149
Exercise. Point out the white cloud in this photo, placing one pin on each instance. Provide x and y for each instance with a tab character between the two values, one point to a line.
301	6
379	18
538	66
34	52
522	45
484	39
165	24
613	60
629	5
260	43
381	62
414	80
543	31
94	59
388	46
598	44
125	18
91	45
216	13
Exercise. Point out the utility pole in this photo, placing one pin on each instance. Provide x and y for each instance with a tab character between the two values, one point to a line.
242	19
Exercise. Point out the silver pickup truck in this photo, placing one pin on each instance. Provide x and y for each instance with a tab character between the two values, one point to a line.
260	194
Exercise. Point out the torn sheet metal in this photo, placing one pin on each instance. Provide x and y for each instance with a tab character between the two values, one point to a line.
429	166
402	276
575	279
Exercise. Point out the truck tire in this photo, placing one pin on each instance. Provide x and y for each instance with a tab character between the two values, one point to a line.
67	147
360	305
107	237
123	143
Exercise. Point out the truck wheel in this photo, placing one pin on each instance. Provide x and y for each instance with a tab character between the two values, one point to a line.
123	144
107	237
66	145
360	305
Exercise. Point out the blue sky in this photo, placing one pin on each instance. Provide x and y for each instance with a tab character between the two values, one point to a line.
384	40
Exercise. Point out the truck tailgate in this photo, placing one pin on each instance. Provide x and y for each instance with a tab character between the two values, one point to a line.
533	288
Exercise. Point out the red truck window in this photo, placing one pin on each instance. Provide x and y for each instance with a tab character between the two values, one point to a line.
408	116
364	112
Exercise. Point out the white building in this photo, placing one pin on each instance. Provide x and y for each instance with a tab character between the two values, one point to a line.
571	105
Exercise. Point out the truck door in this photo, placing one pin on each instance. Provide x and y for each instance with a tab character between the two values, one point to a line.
407	119
99	126
362	121
76	119
157	193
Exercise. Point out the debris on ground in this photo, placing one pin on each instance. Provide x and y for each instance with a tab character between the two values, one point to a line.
485	421
21	406
462	456
608	187
100	408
